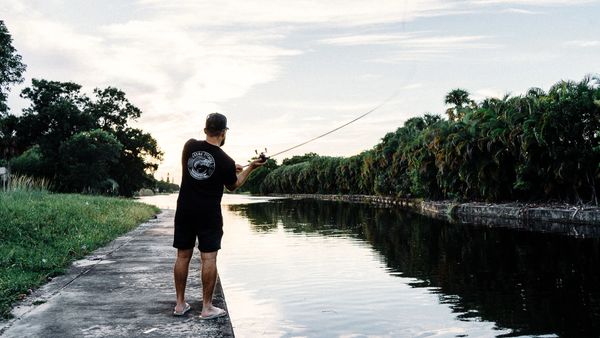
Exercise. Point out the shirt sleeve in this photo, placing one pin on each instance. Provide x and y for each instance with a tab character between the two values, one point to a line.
229	175
184	155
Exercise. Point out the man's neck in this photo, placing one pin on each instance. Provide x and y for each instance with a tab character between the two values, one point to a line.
214	141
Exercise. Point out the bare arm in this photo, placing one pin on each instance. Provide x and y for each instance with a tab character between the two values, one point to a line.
243	175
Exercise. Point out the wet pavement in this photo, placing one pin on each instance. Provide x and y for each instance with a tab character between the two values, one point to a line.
122	290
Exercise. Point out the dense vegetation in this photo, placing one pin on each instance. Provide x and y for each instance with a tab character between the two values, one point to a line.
536	146
42	233
80	143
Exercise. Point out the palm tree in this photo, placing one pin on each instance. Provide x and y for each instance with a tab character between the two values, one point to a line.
458	97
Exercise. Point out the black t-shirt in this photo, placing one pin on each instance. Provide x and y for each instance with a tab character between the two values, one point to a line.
206	170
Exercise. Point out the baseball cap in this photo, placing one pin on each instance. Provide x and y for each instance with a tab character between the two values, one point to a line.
216	122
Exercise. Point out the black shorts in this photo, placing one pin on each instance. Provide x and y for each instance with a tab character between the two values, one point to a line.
205	224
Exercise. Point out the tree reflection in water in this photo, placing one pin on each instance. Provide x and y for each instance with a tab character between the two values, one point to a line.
532	283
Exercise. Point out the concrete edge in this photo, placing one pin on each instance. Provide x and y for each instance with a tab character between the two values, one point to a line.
219	292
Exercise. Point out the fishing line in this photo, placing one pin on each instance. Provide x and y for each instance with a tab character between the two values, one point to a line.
262	155
408	75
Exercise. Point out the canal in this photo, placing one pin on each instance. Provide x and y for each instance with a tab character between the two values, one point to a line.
307	268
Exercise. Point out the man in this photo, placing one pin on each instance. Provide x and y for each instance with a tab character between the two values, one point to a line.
206	169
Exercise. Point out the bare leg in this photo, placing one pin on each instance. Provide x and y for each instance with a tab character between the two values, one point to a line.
209	280
182	265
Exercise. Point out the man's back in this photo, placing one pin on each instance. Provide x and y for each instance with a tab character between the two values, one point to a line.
205	170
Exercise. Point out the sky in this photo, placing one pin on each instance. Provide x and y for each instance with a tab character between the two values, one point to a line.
286	71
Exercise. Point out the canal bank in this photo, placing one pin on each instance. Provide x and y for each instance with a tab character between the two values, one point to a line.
578	221
122	290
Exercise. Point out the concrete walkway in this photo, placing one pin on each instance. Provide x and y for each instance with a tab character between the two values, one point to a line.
123	290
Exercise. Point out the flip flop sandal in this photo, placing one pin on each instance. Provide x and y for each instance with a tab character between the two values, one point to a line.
223	313
185	310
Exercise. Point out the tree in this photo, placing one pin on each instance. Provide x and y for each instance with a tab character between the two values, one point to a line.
59	110
8	136
111	110
30	163
86	160
166	186
138	161
458	97
11	67
540	146
257	177
298	159
56	113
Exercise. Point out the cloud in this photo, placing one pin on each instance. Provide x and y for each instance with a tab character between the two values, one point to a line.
159	62
265	12
521	11
367	39
414	46
417	40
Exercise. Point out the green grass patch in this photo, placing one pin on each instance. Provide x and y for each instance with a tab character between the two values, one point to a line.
42	233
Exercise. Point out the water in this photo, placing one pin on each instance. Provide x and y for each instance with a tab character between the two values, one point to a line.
310	268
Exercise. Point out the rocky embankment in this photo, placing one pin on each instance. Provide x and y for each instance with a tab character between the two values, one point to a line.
580	221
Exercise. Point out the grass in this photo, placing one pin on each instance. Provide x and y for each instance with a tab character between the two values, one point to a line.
42	233
27	183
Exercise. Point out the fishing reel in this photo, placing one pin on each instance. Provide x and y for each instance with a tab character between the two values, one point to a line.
262	156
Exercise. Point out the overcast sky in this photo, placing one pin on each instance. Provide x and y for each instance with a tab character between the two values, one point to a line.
285	71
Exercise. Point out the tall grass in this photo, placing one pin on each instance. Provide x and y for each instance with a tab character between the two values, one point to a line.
25	183
42	233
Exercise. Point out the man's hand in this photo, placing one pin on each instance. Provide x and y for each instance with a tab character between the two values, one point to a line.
257	163
242	174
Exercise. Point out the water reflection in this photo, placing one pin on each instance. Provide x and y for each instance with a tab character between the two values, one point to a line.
527	282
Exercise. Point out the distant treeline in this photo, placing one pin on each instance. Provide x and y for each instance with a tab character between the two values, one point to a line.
166	186
540	146
79	143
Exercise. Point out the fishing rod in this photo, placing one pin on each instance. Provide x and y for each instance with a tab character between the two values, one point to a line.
264	157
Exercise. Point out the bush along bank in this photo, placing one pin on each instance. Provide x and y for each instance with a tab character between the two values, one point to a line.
42	233
540	146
